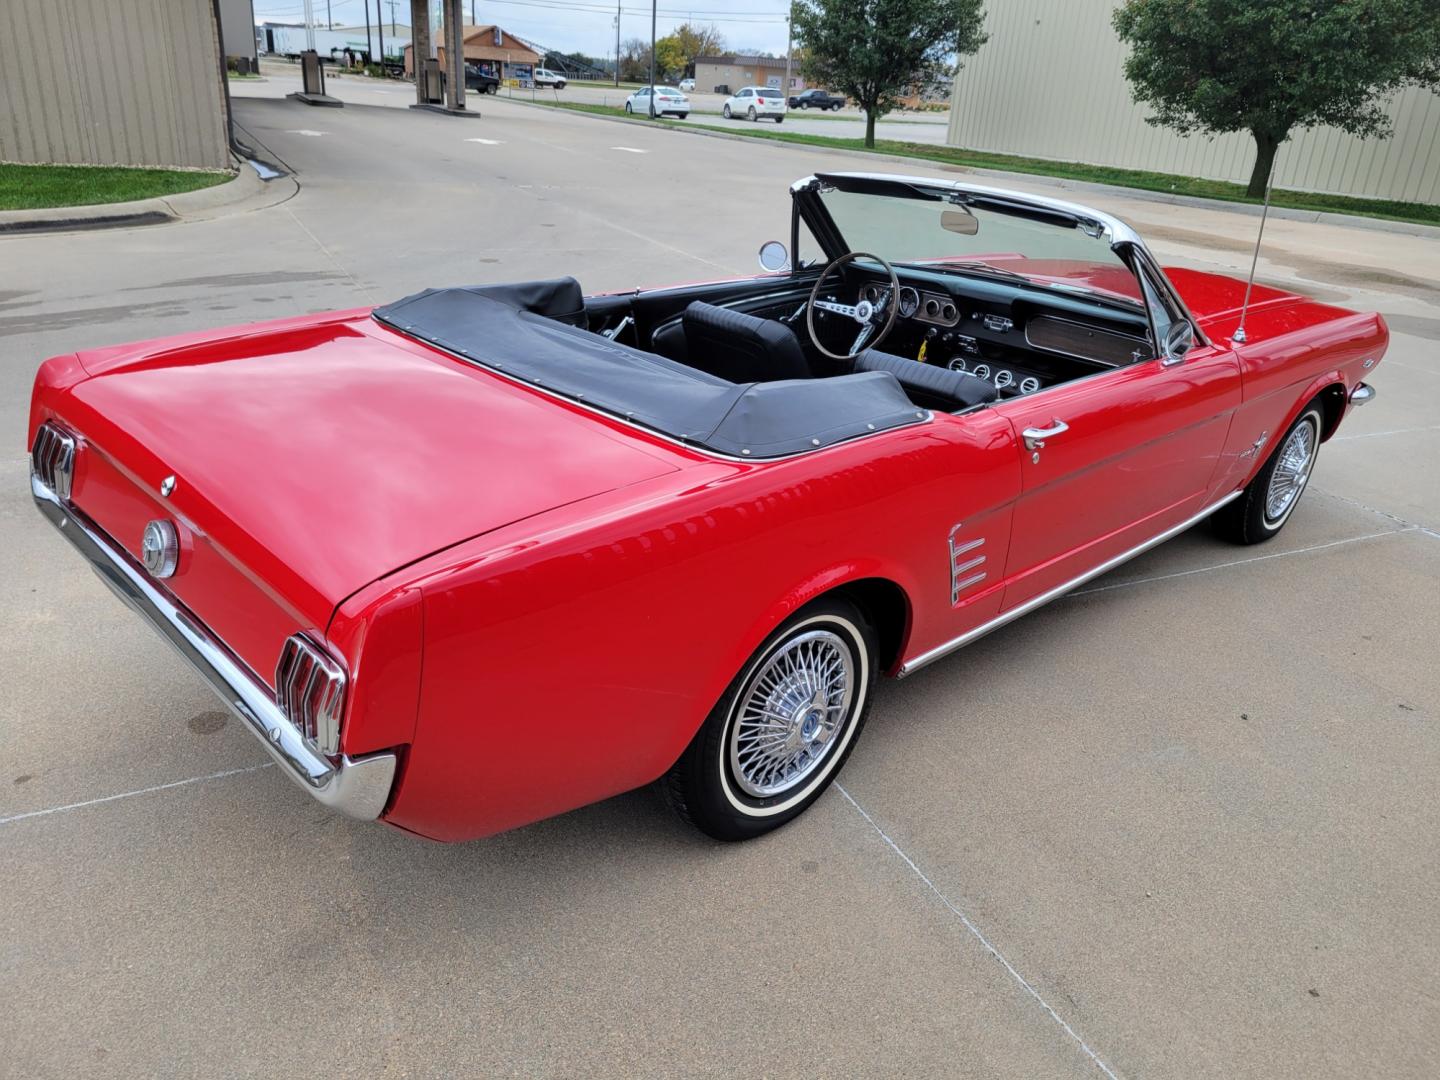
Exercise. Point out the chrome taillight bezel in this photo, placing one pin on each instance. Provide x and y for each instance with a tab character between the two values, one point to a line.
52	459
310	691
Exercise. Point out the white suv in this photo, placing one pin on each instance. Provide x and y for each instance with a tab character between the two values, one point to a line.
753	102
549	78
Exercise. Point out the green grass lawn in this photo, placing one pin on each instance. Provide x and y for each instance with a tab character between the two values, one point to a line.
31	187
1420	213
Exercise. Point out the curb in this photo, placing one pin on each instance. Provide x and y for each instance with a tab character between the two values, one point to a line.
245	186
1319	217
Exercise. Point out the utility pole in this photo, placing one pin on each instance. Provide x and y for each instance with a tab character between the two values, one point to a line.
652	58
368	55
309	26
380	20
617	43
789	47
329	22
392	17
472	12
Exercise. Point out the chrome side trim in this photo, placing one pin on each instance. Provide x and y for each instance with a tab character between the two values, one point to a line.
916	663
356	787
1363	394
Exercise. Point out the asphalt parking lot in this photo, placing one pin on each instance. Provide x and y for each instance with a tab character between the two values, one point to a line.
1180	824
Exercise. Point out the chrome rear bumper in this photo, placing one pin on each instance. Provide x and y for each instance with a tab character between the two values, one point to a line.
356	787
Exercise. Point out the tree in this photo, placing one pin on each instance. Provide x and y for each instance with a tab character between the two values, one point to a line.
876	51
669	58
635	60
696	41
1271	67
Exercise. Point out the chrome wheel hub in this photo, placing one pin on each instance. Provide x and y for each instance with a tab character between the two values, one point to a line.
791	712
1292	470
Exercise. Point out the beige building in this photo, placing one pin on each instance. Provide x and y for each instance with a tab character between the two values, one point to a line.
738	71
112	82
1049	83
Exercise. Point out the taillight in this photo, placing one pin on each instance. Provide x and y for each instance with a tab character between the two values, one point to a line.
52	459
310	690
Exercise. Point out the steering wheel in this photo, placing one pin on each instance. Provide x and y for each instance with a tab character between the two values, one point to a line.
879	314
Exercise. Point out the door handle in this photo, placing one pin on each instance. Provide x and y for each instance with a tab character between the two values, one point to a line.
1035	436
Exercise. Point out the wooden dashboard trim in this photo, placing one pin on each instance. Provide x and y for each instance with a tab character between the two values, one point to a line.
1070	342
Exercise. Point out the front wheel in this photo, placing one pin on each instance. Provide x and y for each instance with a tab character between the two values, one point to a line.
725	112
628	111
1270	498
783	728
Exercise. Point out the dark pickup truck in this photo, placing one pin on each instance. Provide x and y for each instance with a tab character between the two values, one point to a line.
480	81
817	99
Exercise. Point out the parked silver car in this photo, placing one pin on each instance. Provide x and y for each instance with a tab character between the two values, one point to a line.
753	102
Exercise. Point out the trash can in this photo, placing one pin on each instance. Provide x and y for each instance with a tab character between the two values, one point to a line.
312	74
434	81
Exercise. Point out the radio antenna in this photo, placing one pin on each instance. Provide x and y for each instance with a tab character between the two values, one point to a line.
1239	336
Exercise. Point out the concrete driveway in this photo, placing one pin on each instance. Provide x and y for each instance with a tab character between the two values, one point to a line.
1181	824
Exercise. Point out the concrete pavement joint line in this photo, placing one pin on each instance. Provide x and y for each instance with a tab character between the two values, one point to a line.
334	261
131	794
1243	562
975	931
1377	434
1409	525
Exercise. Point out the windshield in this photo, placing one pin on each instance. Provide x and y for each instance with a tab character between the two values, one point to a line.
942	233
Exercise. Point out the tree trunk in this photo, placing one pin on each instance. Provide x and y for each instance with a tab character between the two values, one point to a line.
870	128
1265	147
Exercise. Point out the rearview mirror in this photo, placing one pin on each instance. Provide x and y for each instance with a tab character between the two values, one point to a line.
959	221
773	256
1179	340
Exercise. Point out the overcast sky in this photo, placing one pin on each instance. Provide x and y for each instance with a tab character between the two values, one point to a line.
574	25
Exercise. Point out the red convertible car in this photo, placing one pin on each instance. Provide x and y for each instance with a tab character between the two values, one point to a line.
487	554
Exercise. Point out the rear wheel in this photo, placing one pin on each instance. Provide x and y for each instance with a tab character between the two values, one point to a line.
683	115
779	119
783	728
750	113
1270	498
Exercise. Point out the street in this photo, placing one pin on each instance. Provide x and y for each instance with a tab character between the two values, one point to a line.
1179	824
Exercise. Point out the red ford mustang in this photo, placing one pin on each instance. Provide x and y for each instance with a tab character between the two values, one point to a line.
487	554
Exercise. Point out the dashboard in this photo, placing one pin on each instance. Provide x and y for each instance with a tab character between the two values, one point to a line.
1018	336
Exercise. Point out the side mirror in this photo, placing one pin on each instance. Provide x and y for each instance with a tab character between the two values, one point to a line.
773	256
1179	340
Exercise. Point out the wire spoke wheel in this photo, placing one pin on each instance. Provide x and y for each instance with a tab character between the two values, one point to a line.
1292	471
790	712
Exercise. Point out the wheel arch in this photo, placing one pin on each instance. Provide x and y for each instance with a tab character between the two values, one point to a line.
880	594
1332	399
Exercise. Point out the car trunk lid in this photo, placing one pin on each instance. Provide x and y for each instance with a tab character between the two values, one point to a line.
311	460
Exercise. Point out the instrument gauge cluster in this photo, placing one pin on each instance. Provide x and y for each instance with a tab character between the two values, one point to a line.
1007	380
909	301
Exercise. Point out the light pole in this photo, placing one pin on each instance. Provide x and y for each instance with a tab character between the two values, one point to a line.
617	43
652	59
